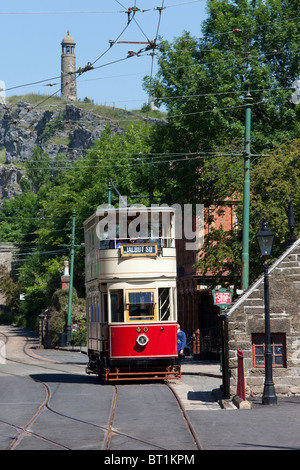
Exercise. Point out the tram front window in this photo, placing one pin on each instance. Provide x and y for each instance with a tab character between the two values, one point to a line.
141	306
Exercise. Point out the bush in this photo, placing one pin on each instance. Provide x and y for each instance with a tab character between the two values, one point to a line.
78	337
10	290
56	325
59	316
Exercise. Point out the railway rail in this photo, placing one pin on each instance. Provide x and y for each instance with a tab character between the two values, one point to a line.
112	429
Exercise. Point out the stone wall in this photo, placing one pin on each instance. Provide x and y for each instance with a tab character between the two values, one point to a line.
246	317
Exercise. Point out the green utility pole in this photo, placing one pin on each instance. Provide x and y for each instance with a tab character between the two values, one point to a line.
72	250
246	199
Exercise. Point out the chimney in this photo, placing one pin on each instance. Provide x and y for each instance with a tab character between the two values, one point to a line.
65	279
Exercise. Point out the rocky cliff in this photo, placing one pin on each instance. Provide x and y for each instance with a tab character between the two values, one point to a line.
64	129
9	181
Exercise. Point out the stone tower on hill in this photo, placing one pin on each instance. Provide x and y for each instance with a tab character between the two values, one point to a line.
68	69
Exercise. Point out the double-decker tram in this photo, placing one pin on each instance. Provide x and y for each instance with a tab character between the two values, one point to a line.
130	269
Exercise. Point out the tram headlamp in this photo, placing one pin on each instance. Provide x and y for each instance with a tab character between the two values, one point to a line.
142	340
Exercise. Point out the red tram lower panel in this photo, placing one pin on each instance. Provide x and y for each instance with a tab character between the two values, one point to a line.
142	340
142	352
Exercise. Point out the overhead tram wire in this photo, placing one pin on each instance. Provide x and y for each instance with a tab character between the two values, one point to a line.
277	52
213	35
70	12
89	66
246	53
129	155
214	109
271	89
199	95
83	12
32	83
112	43
141	162
98	58
135	164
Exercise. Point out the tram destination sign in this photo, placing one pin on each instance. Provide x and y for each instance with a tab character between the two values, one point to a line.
139	249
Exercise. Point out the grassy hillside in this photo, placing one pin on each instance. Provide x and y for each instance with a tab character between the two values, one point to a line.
113	113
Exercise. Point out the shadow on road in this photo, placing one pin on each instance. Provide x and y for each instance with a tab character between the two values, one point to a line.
66	378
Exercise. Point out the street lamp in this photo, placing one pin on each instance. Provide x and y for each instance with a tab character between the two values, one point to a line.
265	239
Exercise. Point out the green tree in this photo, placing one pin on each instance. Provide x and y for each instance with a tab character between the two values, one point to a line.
38	168
19	217
245	46
40	221
10	289
274	179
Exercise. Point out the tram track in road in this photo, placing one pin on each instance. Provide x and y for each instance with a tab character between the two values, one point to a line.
108	429
113	429
189	424
25	431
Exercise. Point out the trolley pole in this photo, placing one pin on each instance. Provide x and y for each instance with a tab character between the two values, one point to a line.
72	251
246	194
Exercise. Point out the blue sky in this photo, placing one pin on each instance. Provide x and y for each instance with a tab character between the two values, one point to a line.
31	33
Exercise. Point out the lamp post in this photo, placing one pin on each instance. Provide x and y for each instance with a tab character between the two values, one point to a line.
265	239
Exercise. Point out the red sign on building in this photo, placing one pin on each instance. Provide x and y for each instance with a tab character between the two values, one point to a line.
222	298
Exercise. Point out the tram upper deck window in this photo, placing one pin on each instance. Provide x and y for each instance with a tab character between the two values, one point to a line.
136	226
140	306
108	238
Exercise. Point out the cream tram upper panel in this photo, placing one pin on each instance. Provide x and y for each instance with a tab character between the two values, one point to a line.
150	254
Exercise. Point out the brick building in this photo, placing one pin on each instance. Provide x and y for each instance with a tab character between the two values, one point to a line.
196	311
245	329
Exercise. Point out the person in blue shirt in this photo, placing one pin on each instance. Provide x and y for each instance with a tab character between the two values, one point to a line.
181	336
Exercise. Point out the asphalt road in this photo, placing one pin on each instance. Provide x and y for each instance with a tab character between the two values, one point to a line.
47	402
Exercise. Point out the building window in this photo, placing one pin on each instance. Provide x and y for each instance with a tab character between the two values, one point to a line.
278	350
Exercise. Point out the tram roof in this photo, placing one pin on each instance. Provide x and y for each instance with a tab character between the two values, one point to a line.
129	209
